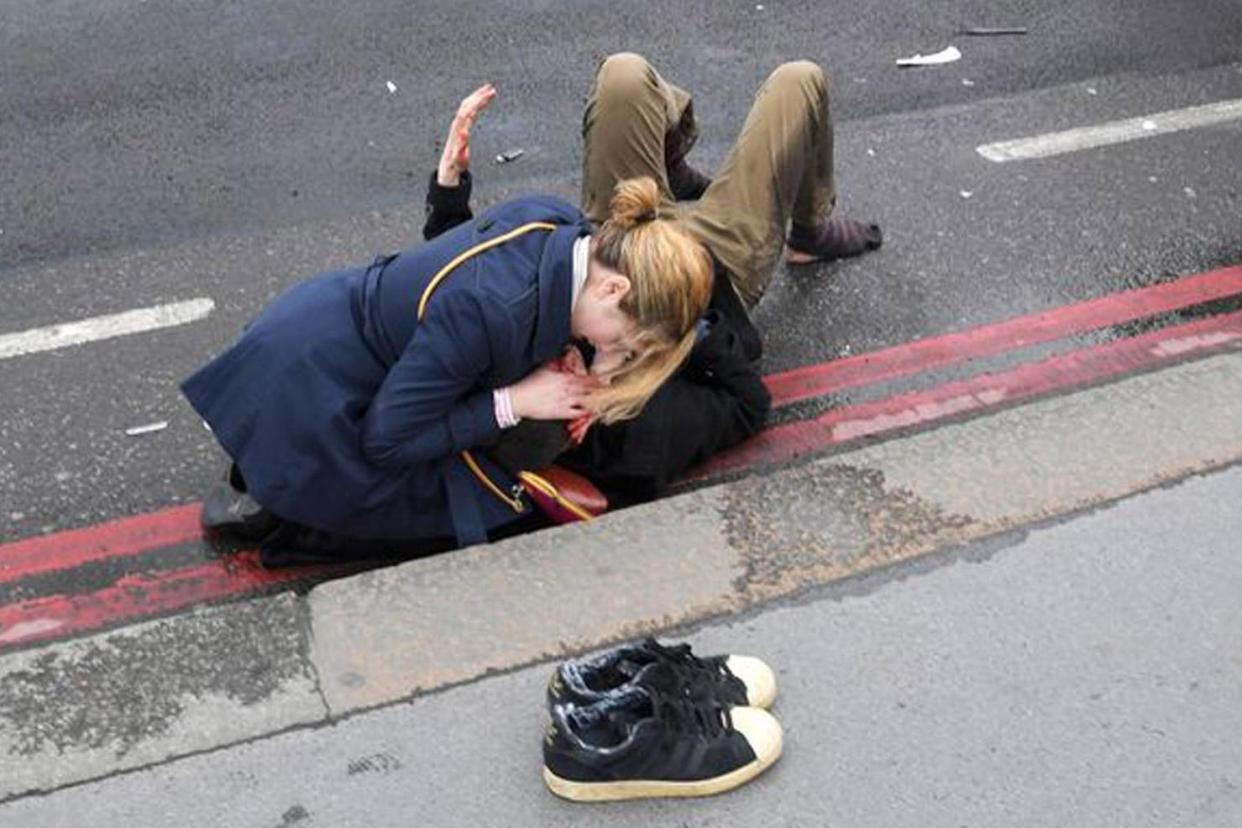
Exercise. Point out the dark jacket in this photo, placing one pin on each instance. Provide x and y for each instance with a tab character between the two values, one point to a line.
715	401
346	413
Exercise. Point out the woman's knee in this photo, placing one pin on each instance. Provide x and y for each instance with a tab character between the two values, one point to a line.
805	74
624	73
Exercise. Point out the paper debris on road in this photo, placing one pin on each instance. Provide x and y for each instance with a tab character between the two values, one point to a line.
946	55
509	155
392	87
146	429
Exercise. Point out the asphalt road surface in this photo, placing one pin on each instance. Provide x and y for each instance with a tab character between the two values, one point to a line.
160	152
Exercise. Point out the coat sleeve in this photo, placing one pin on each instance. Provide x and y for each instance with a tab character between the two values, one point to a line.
431	404
447	207
716	401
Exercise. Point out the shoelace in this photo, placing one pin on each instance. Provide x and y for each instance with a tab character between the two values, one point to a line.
681	654
687	715
690	666
694	717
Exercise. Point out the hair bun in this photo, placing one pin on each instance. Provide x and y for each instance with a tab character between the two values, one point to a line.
634	201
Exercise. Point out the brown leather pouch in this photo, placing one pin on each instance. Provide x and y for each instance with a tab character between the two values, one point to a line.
563	496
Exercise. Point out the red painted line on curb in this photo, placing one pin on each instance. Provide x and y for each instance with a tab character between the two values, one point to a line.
140	596
989	340
787	442
116	538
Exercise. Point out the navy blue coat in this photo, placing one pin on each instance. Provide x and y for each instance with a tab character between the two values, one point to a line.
346	413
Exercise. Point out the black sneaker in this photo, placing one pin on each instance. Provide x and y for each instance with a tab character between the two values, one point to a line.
634	744
738	680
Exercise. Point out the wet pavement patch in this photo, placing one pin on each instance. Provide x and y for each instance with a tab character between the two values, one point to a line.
824	521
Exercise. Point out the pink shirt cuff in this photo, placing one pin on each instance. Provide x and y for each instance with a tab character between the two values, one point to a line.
503	403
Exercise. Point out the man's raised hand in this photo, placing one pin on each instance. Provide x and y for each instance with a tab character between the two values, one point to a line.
456	156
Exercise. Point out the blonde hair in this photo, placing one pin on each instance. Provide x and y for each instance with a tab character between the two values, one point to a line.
670	275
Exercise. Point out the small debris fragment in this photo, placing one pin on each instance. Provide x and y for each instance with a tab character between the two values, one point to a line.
989	31
759	7
207	426
967	82
1190	192
1152	179
509	155
392	87
871	152
1149	125
381	763
1091	90
946	55
965	193
135	431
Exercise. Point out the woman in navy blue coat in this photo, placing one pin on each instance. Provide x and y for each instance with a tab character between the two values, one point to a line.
352	404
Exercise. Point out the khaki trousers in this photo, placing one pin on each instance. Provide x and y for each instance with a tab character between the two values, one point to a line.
779	169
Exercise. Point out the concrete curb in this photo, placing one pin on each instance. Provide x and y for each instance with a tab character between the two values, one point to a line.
386	635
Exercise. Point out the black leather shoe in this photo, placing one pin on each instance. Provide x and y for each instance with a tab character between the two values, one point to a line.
230	510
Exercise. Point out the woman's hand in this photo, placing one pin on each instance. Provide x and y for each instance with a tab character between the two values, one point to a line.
549	393
572	362
456	156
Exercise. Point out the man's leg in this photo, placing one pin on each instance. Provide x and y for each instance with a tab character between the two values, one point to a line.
780	169
629	115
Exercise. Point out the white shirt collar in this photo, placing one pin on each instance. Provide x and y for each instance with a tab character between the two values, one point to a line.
582	255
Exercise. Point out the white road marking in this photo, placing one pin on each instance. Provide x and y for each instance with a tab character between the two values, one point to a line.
1113	132
103	327
25	629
